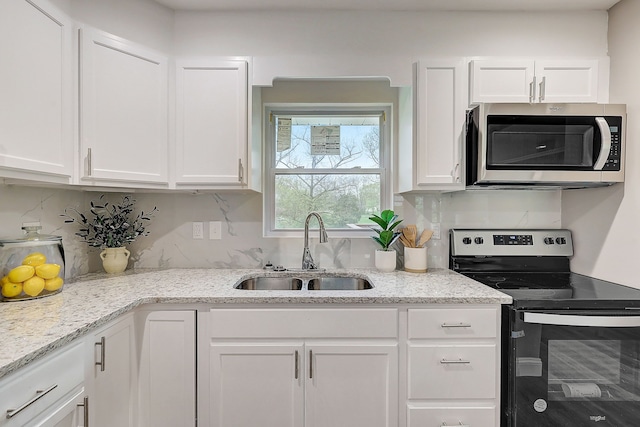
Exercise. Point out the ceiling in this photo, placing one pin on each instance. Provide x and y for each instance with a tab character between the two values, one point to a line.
390	5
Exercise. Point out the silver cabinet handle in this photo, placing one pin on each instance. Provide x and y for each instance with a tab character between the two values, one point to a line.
85	407
532	90
310	364
240	171
543	88
89	165
39	395
454	362
102	345
297	365
455	325
605	146
457	425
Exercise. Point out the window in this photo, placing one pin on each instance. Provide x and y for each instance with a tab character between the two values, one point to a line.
334	161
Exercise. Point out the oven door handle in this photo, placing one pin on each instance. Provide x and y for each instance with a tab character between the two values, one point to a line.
576	320
605	147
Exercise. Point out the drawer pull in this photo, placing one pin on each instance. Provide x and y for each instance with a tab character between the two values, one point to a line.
456	325
297	356
457	425
39	395
454	362
101	363
85	410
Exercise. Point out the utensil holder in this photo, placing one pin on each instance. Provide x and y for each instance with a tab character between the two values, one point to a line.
415	260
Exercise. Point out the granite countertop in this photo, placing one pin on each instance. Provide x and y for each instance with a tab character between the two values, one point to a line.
31	329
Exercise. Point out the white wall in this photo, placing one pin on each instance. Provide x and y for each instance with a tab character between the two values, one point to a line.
275	37
605	221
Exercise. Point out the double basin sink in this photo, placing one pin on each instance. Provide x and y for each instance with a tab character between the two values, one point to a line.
324	282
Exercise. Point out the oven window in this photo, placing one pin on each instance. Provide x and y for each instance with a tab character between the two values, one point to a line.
589	369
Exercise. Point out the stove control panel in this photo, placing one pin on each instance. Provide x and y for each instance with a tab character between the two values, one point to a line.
490	242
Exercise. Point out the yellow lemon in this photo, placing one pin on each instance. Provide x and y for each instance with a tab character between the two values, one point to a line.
11	290
21	273
53	284
48	271
33	286
4	280
34	259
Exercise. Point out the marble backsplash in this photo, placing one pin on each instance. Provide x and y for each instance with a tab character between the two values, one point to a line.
170	243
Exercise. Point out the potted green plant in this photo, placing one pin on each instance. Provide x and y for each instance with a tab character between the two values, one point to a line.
385	258
111	226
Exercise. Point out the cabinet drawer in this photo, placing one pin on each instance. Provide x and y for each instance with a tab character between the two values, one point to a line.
304	323
452	372
62	369
452	416
453	323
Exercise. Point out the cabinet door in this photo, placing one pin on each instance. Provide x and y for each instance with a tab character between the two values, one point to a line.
167	380
113	379
123	111
502	81
68	413
440	116
211	123
567	81
35	82
257	384
351	385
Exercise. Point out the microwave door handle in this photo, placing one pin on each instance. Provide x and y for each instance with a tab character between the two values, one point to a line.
605	147
577	320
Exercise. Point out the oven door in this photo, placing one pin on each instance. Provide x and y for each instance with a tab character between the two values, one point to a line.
572	369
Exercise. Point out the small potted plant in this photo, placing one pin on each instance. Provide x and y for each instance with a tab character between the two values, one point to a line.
111	226
385	258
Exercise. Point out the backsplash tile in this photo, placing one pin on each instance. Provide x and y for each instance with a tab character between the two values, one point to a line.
170	243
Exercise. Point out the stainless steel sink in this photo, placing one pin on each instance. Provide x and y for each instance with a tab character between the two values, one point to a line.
338	283
313	283
271	283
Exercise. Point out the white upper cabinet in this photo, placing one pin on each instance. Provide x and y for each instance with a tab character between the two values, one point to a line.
123	112
535	81
430	152
36	120
212	124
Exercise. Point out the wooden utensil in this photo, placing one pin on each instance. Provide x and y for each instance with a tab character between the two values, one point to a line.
424	237
410	232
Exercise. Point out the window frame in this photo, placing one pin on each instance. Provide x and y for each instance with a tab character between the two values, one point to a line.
386	152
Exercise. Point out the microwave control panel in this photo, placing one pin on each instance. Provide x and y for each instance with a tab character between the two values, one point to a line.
613	161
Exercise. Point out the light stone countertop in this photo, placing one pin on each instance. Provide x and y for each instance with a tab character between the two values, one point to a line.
31	329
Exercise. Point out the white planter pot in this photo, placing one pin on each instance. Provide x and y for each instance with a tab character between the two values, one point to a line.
385	260
115	260
415	260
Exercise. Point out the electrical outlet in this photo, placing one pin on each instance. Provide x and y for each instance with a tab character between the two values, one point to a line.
215	230
436	230
198	230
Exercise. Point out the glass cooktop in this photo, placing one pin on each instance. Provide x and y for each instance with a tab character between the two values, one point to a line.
558	289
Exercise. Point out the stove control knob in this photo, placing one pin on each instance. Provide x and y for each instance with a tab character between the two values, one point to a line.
478	240
561	240
548	240
466	240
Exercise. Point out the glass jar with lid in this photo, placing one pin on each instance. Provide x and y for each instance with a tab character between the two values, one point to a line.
31	266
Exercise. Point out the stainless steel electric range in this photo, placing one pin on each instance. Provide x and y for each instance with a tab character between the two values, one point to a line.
570	343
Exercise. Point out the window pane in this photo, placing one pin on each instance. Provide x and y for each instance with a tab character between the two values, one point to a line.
343	200
327	142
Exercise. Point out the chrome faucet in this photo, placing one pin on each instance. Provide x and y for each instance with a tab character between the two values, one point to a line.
307	260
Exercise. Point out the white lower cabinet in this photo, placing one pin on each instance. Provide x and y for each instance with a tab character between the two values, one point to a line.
167	368
111	374
46	393
452	365
316	372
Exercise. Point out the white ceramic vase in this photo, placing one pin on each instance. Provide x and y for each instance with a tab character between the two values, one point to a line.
115	260
385	260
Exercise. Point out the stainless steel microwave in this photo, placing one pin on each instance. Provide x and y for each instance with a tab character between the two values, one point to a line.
545	145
